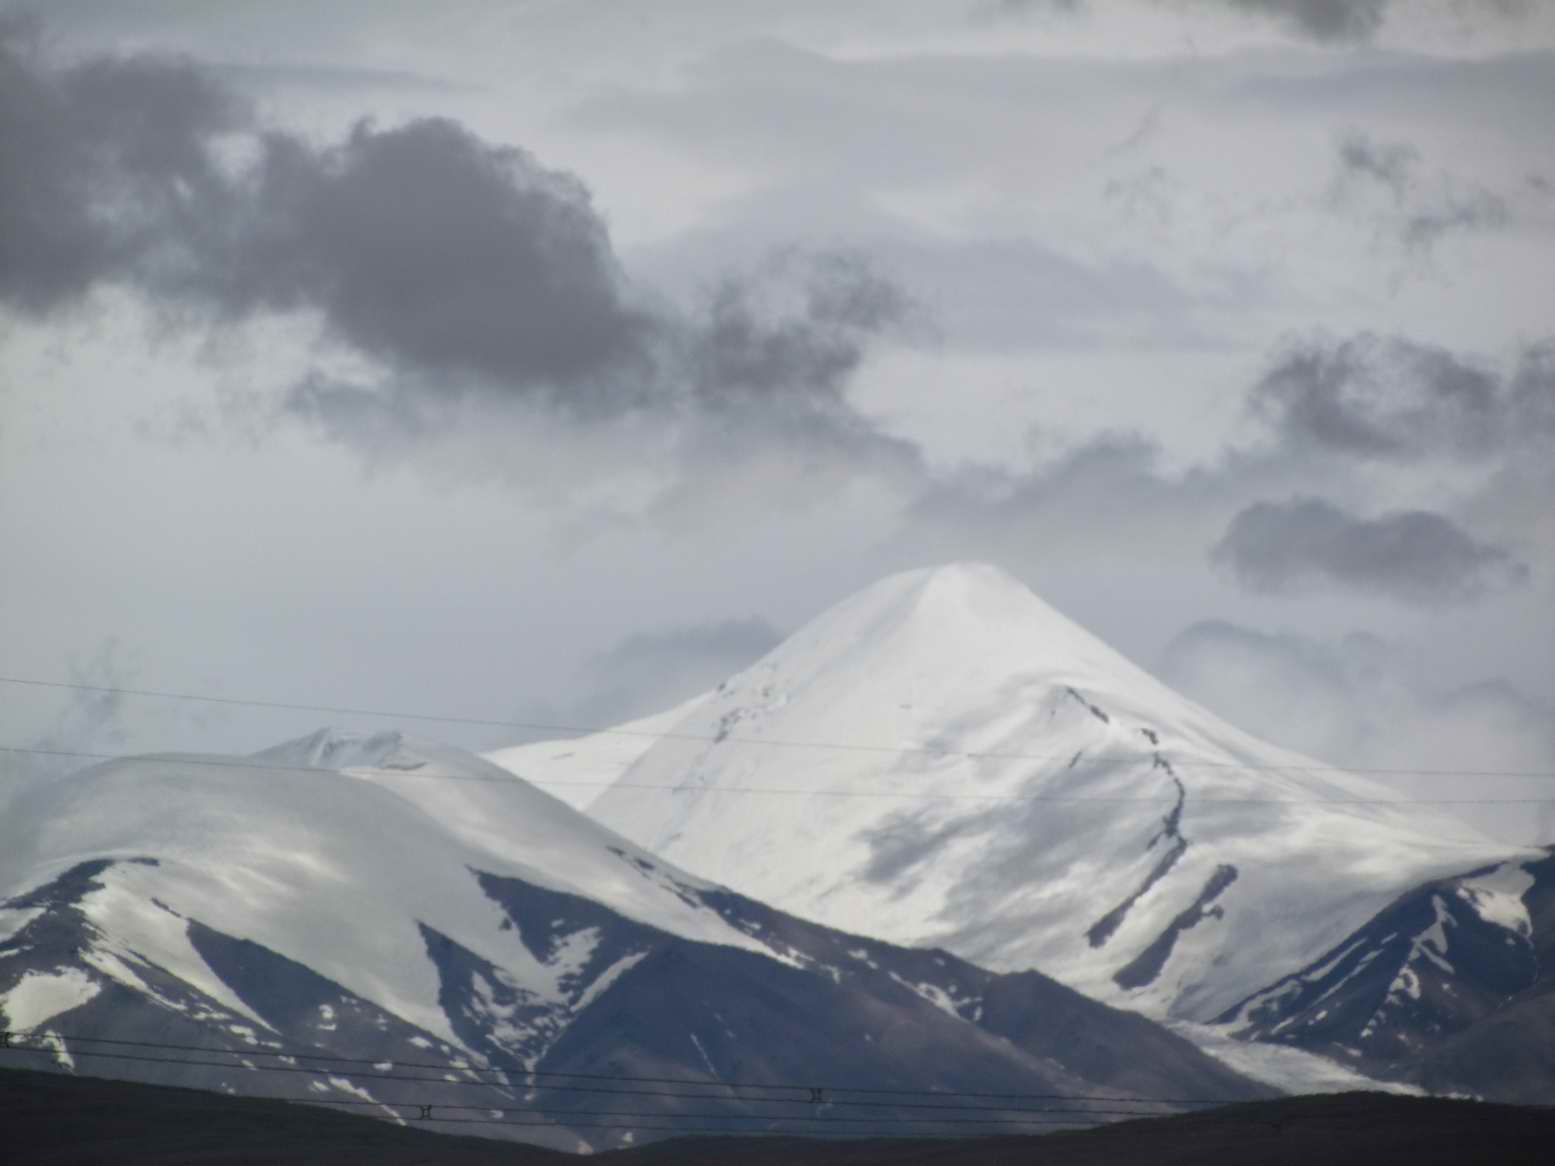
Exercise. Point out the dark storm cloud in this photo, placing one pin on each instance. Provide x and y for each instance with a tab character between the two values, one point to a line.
465	270
1415	556
764	362
97	162
428	249
1391	398
420	246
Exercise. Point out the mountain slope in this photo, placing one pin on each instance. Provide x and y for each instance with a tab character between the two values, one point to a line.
1450	986
453	930
944	759
578	769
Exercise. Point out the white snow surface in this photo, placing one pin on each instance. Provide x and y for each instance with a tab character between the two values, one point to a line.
1497	896
333	869
944	759
12	920
578	770
38	997
1294	1070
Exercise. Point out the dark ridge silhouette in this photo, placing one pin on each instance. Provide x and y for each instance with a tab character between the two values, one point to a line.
58	1120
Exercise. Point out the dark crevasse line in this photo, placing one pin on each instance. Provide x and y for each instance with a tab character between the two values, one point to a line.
1171	830
1171	825
1094	711
1147	965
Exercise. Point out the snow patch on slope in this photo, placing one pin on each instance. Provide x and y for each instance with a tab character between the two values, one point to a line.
1292	1070
38	997
1497	897
13	919
125	908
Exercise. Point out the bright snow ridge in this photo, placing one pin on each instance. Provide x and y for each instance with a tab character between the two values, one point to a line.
336	870
943	758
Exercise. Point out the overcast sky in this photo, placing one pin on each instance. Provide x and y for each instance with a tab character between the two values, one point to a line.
552	360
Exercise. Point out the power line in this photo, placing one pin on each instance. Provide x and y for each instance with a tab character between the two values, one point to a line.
565	1122
671	735
832	1091
567	1119
1046	1116
782	791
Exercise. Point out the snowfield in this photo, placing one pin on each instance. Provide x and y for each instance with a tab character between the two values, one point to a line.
578	770
338	870
944	759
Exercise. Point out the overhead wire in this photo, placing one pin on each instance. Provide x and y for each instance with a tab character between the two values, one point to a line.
533	1077
1009	1116
395	773
529	1079
766	742
886	1126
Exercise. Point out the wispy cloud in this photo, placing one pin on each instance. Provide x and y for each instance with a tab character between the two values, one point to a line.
1416	212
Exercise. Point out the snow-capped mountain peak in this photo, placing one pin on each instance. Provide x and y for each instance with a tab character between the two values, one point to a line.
944	758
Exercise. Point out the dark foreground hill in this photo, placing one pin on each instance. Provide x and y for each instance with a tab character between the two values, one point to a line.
55	1120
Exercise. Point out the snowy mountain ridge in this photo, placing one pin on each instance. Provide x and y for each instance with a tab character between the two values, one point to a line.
422	905
944	759
313	863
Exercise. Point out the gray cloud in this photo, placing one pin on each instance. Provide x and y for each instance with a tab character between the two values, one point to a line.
1325	21
736	641
86	720
99	162
1366	702
336	78
653	671
1416	556
761	364
998	292
432	251
1322	20
799	323
1421	214
1392	398
422	247
1474	210
1389	163
466	271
